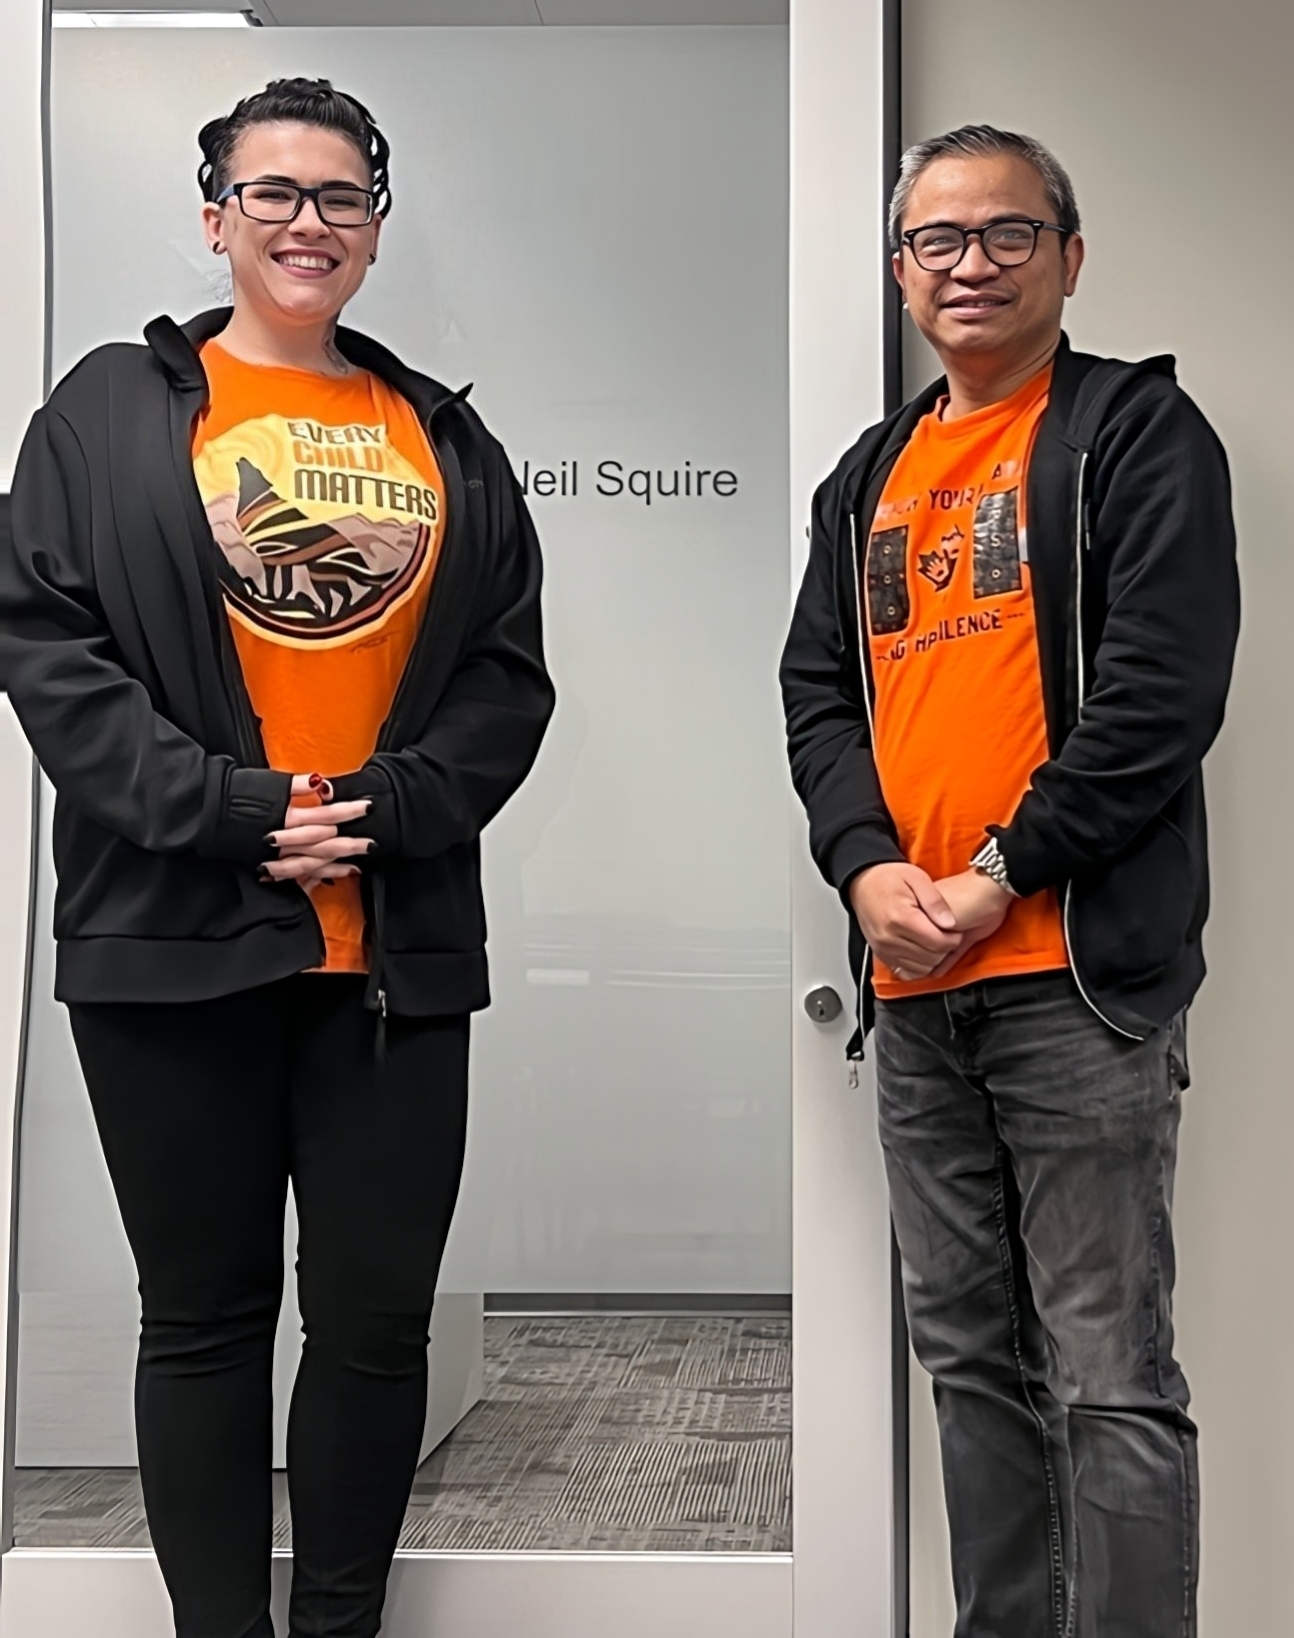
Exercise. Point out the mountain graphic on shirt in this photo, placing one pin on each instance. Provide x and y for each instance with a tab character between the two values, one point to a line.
291	575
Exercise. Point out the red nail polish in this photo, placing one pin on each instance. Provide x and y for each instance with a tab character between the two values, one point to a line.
315	781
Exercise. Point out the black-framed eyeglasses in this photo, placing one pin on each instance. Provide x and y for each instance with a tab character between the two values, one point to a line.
339	203
1010	242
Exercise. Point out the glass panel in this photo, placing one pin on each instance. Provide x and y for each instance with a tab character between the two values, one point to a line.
590	224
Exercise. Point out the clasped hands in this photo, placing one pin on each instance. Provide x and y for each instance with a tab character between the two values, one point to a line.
311	850
921	928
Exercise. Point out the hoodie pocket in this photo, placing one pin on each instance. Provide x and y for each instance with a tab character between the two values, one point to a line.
1139	914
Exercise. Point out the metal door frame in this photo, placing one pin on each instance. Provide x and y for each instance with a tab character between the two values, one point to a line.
847	1572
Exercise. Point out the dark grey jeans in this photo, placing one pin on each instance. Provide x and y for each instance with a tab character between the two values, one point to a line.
1030	1152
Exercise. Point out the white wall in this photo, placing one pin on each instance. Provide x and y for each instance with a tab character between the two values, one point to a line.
1176	121
22	267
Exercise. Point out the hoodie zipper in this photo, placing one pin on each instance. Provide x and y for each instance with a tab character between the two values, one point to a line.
1080	551
871	729
375	996
422	644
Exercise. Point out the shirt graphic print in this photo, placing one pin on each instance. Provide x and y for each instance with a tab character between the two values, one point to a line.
322	529
326	507
959	719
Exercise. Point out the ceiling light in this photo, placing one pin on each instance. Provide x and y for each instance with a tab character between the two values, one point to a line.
152	19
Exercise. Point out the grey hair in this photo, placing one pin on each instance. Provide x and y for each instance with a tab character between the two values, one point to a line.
976	142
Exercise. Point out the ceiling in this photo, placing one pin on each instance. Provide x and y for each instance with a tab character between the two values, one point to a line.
513	13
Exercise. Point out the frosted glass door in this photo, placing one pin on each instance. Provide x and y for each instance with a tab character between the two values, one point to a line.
591	226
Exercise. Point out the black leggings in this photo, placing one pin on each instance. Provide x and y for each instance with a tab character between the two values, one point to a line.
205	1111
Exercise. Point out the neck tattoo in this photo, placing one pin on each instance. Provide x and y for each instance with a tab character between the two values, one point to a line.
335	358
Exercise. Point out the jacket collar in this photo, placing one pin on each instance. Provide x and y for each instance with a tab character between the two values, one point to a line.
176	348
894	432
1067	407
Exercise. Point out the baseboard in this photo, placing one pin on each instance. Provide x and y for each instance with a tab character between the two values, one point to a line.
722	1304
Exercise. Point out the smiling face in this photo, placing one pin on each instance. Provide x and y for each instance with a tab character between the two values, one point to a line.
299	273
994	316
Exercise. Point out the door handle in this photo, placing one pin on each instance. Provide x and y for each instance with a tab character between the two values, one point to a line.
823	1005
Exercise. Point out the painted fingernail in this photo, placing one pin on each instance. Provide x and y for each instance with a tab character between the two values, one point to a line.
315	781
325	790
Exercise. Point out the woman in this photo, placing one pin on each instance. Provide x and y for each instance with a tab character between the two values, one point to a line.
270	619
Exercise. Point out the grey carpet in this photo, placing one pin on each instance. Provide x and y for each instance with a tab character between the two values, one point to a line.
598	1433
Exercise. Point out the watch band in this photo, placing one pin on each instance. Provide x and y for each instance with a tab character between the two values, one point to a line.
989	862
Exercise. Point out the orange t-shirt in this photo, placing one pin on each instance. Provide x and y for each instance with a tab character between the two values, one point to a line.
328	508
959	720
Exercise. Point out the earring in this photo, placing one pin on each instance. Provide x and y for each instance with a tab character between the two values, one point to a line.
372	258
218	248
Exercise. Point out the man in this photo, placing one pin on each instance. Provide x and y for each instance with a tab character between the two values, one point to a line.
1008	658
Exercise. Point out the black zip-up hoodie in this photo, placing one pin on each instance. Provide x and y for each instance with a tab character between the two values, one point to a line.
1133	566
116	652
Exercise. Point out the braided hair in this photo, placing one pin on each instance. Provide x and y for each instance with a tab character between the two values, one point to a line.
296	102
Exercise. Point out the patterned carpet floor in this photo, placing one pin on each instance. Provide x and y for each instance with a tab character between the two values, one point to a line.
596	1433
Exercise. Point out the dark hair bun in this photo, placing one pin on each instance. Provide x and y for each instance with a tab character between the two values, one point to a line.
295	102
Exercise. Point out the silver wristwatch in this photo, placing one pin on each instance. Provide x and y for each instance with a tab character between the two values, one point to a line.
989	862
